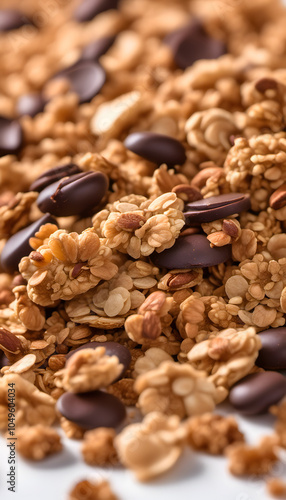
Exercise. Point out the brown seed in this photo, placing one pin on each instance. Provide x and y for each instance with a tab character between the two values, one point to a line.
153	303
9	342
6	297
278	198
151	328
77	269
178	280
37	256
187	193
229	227
130	221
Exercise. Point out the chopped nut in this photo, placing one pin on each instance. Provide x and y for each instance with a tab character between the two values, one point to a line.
278	199
252	460
86	490
98	448
37	442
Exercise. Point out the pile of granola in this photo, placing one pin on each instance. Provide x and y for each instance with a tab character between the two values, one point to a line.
164	284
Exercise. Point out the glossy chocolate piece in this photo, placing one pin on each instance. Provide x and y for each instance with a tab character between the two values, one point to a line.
111	349
272	355
157	148
189	251
30	104
88	9
86	79
75	195
255	393
216	207
53	175
18	245
12	19
192	43
94	50
11	136
93	409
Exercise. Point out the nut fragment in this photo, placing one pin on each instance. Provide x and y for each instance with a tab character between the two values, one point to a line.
37	442
278	199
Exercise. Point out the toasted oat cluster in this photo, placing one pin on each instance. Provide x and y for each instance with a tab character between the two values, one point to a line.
143	229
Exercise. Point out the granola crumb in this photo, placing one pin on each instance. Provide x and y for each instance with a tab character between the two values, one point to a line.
245	460
276	487
98	448
87	490
37	442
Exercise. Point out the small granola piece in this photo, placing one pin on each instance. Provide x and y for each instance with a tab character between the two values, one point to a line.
212	433
152	446
148	324
209	132
177	389
87	490
280	425
257	460
138	226
276	487
33	406
37	442
245	246
151	359
71	264
31	315
228	356
71	430
178	279
16	213
98	448
88	370
124	390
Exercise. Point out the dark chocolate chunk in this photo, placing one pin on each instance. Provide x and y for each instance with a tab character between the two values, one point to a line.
12	19
94	50
157	148
11	136
73	196
18	245
189	251
256	392
111	349
86	79
191	43
30	104
272	355
92	409
53	175
88	9
216	207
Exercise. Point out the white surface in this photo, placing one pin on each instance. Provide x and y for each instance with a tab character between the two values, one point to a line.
195	477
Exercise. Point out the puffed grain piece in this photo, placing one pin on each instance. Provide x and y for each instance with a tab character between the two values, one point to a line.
37	442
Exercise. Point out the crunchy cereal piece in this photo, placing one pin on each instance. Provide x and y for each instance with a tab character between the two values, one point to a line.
147	325
177	389
71	430
138	226
151	447
178	279
108	305
227	357
31	315
87	490
245	246
257	166
98	448
16	213
165	180
65	266
152	358
124	390
252	460
262	304
37	442
276	487
87	370
24	366
33	406
209	132
212	433
201	317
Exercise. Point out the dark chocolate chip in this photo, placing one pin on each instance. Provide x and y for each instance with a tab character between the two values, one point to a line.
86	79
157	148
30	104
94	50
18	245
272	355
111	349
11	136
191	43
92	409
256	392
73	196
88	9
216	207
189	251
53	175
11	19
